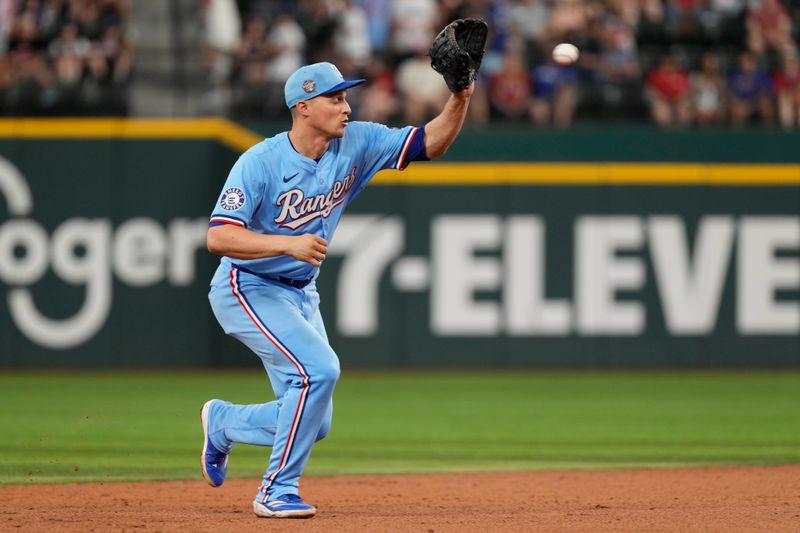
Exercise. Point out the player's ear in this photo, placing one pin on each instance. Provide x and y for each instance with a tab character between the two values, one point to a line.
302	108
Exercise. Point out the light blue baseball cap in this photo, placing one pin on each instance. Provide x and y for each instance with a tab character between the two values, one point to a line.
311	81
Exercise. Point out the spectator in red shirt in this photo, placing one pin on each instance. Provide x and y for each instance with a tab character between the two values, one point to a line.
510	89
786	83
668	93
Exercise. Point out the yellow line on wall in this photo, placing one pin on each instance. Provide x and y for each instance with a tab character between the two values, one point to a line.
226	132
592	174
240	139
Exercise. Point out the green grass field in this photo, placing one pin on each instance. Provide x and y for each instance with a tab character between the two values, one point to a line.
68	427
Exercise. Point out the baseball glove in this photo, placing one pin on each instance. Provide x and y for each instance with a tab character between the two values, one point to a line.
457	51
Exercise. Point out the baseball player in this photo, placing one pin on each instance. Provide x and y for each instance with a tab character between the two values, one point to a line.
279	208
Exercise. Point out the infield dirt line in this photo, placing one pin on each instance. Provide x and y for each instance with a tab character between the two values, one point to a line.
689	499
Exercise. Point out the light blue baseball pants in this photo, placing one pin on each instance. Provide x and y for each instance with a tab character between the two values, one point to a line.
283	326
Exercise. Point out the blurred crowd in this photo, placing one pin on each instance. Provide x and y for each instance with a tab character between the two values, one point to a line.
675	62
64	57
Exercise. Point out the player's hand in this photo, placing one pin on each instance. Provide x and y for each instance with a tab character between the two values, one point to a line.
466	93
308	248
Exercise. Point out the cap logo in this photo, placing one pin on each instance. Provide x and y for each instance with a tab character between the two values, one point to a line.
309	86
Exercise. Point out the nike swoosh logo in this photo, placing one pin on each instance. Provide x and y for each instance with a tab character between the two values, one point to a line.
286	179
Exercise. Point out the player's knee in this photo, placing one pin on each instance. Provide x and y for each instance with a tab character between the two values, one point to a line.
323	431
328	375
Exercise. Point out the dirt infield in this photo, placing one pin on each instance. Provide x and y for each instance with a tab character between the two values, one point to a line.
702	499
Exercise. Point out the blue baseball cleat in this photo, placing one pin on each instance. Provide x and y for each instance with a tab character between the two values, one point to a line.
286	506
214	463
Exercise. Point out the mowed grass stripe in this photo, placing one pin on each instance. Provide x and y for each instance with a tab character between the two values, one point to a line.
67	427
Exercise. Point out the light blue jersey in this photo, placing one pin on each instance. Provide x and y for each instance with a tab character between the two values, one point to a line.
273	189
271	304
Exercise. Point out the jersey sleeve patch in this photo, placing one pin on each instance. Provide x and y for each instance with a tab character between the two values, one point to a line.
232	199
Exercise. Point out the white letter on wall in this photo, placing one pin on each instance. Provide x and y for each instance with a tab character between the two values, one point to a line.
457	274
599	274
369	244
527	312
90	267
139	252
690	290
761	273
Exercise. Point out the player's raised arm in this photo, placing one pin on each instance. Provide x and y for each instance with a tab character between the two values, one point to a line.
456	54
442	130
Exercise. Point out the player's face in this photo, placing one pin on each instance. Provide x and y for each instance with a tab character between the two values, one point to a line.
330	113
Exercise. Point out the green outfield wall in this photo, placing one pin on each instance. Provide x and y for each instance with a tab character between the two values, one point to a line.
584	248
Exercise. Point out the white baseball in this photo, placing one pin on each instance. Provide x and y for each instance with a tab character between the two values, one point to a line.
565	54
